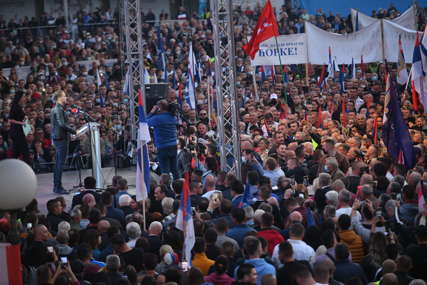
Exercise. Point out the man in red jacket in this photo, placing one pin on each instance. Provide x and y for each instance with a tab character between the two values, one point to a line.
272	236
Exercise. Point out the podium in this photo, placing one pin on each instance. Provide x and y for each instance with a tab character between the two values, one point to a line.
95	147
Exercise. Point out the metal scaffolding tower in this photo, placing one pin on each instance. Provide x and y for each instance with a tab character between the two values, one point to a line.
134	58
225	77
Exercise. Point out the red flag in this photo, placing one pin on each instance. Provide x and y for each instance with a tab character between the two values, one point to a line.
322	76
186	184
414	96
265	28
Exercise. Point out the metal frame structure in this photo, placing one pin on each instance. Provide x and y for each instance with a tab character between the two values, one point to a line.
133	51
225	77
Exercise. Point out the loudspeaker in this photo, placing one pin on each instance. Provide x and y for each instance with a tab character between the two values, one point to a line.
154	93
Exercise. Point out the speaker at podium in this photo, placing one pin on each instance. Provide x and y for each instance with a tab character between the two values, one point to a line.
154	93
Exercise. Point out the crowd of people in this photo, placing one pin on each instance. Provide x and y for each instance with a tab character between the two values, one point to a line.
326	205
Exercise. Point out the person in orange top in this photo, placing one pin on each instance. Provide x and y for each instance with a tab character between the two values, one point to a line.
200	260
350	238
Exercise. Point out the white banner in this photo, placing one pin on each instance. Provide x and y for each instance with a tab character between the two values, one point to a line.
407	19
366	42
292	50
392	31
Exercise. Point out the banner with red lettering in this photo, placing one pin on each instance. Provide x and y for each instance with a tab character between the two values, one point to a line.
289	49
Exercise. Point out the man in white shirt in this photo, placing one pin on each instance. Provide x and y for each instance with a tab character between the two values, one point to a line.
210	183
302	251
344	198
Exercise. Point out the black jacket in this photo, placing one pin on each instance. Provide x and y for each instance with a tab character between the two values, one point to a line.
59	120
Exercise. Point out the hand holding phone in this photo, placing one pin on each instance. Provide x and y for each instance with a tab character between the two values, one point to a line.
64	261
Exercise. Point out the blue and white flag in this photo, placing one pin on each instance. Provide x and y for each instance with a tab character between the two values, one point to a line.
143	162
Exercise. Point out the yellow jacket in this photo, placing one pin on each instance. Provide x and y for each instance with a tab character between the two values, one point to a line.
354	243
202	262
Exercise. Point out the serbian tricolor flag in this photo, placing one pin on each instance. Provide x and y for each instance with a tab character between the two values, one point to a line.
419	76
321	81
10	264
142	163
184	220
265	28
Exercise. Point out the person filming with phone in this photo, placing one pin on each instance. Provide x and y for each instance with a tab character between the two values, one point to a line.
162	120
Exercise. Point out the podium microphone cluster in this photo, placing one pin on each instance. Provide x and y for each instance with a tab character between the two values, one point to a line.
77	110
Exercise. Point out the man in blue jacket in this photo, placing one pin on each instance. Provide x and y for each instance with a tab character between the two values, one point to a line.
165	139
253	250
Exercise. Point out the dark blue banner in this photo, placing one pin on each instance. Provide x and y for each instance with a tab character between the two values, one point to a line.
343	6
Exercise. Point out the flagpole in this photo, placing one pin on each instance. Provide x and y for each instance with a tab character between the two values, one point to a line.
255	85
143	215
209	99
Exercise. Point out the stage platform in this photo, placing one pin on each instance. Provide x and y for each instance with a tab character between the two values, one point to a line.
71	179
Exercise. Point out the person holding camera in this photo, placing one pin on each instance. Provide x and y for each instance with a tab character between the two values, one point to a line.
164	123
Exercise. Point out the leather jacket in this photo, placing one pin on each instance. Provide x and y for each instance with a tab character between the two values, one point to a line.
59	120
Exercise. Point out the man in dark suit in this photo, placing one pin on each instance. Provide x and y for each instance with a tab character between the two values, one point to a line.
60	137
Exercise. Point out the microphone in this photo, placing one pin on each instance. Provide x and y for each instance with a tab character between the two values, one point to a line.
76	110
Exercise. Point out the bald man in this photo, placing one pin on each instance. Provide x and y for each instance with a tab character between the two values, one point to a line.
154	231
37	252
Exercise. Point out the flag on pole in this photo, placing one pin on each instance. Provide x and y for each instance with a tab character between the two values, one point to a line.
265	28
191	72
184	220
414	96
143	163
395	132
418	72
402	72
10	264
98	78
321	82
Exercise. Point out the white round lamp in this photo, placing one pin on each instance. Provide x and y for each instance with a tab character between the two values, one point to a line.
18	184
